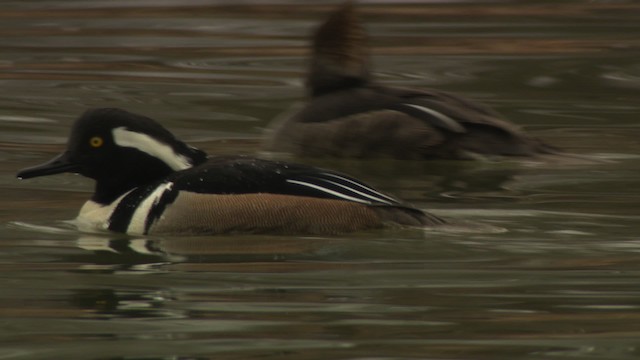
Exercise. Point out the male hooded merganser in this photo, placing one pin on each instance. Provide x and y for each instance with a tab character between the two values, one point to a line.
351	116
149	182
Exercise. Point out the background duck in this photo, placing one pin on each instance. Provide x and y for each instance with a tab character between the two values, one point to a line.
349	115
149	182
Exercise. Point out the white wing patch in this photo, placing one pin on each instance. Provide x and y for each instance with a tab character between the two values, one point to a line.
139	218
451	123
147	144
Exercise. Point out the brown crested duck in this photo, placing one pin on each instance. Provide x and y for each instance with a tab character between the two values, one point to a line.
350	115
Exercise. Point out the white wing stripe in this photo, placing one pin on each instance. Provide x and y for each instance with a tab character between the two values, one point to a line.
362	186
442	117
360	192
328	191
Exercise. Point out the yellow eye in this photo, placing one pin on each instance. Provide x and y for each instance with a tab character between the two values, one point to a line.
96	141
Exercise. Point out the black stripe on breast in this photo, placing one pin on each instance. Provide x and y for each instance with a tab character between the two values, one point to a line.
167	198
121	216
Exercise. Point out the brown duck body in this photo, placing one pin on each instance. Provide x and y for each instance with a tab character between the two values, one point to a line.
376	121
194	213
351	116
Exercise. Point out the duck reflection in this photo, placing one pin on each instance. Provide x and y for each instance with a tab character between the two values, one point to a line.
121	303
121	253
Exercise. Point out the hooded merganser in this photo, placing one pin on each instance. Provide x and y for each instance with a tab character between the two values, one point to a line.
149	182
351	116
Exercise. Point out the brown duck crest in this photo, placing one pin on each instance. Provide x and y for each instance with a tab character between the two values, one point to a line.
340	52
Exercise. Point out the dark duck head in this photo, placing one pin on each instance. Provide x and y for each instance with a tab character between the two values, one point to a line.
120	151
350	115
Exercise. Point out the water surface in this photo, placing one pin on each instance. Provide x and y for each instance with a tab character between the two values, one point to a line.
561	282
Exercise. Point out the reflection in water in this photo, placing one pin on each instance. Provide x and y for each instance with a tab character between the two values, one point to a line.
222	249
121	304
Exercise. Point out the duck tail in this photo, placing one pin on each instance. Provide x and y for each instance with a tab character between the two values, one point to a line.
408	216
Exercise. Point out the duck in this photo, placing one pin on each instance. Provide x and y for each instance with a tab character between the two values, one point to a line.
148	182
351	115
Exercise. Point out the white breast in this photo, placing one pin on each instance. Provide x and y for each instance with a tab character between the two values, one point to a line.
95	217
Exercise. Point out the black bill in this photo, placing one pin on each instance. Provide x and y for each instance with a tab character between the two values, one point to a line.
57	165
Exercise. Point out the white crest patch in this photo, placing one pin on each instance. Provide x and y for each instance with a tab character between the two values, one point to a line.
147	144
139	218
